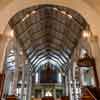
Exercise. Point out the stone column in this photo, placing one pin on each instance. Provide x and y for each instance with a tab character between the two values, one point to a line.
15	79
54	93
69	85
23	81
6	83
42	93
30	87
66	85
28	82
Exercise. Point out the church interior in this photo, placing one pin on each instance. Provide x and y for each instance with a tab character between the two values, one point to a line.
49	50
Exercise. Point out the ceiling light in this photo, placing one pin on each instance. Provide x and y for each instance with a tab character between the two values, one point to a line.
27	15
12	33
86	34
69	16
33	12
55	9
83	52
63	12
12	51
26	61
21	53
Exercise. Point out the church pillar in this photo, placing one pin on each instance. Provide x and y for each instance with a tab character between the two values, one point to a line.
15	79
66	85
54	93
30	86
69	85
28	82
6	83
42	93
23	81
4	40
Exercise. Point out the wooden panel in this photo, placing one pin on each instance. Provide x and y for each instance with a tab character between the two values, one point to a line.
2	77
64	98
11	98
36	99
87	95
87	98
48	98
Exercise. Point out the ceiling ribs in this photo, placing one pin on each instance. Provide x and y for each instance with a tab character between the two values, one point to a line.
47	32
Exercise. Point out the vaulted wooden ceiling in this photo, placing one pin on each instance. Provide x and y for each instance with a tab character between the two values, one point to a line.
48	33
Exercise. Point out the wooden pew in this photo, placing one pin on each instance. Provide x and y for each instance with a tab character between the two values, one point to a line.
11	98
87	95
65	98
47	98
